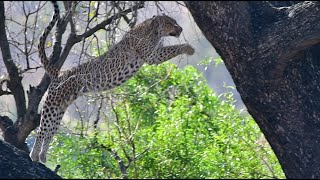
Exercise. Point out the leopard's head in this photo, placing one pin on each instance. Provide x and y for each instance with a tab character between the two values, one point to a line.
165	26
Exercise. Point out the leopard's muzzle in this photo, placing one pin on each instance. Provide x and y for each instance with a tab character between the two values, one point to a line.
176	32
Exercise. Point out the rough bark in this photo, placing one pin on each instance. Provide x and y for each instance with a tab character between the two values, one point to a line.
272	53
16	164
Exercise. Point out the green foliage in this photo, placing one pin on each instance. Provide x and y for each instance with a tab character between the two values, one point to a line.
207	61
96	51
167	123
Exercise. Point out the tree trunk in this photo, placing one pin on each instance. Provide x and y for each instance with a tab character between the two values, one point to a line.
16	164
273	56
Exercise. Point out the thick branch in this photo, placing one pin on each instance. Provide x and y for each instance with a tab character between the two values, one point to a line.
16	164
298	30
263	13
34	97
5	122
14	84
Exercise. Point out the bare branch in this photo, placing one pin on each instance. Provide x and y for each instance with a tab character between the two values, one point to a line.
180	4
71	6
140	154
14	84
28	69
122	166
4	92
131	22
34	27
117	122
95	123
73	38
108	21
25	35
5	122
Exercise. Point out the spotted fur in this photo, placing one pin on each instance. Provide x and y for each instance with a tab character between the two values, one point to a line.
140	45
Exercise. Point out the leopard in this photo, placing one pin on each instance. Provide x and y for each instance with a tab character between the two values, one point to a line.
140	45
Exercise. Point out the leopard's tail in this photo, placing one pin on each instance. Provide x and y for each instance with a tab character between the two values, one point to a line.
49	67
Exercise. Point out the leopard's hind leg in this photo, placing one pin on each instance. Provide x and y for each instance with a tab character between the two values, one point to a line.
50	122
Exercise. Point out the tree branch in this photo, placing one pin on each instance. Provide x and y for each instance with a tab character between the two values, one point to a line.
299	29
263	14
5	122
60	29
16	164
95	122
73	38
14	84
122	166
34	97
108	21
4	92
131	22
32	118
71	6
35	93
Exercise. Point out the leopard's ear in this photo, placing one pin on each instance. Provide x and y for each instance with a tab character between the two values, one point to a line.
154	20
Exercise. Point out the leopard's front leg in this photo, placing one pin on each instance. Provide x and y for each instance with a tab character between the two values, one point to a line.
162	54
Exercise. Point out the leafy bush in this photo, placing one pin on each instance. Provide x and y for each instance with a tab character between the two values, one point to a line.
167	123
